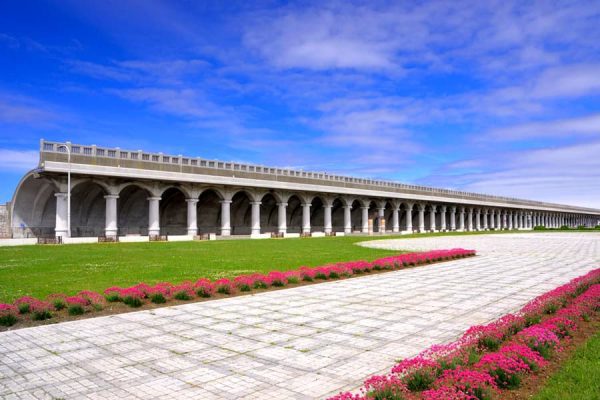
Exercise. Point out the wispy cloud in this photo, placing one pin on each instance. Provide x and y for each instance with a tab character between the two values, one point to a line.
18	160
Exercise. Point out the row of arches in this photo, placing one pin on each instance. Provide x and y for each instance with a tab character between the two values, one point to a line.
136	208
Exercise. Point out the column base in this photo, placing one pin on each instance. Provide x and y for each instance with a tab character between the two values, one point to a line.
225	231
347	230
192	232
110	232
153	232
61	233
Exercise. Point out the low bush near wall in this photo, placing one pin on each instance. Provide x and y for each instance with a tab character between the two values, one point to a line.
142	293
492	358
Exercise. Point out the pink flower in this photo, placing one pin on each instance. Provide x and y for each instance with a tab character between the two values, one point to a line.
224	286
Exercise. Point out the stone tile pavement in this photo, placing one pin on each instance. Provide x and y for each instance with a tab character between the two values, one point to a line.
300	343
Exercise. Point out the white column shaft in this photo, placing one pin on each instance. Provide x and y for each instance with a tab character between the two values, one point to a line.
153	216
110	226
60	228
327	218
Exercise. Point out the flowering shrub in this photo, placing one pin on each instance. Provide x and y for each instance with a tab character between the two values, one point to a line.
132	296
112	294
8	314
184	291
308	274
57	301
516	351
225	286
446	393
244	283
385	387
480	385
277	278
76	305
204	288
540	339
506	371
93	299
292	276
561	326
24	304
40	310
417	373
159	293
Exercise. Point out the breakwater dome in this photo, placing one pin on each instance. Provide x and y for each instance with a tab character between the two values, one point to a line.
136	194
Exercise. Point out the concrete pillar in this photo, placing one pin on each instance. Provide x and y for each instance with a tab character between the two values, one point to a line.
461	220
442	218
478	219
452	218
192	218
225	217
60	228
492	219
499	220
421	209
255	224
485	220
408	212
153	216
432	226
282	218
365	219
470	219
327	218
509	220
396	219
347	219
110	226
380	217
306	218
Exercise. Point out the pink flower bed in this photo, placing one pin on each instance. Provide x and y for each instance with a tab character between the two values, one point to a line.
141	293
493	357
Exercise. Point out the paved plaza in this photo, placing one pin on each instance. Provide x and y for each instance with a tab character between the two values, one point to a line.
301	343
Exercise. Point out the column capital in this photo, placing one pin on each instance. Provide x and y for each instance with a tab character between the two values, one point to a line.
282	204
364	207
380	208
443	208
306	205
111	196
434	208
347	207
409	205
154	198
256	203
421	207
452	209
225	201
192	200
327	205
60	194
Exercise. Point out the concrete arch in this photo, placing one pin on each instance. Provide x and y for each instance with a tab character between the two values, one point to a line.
173	212
251	195
221	194
88	208
294	213
241	212
151	189
317	214
337	214
208	211
279	198
183	189
133	209
269	212
33	207
356	215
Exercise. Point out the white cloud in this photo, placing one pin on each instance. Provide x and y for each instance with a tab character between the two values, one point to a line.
18	160
569	128
569	81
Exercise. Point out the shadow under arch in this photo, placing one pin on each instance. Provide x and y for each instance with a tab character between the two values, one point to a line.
132	210
33	207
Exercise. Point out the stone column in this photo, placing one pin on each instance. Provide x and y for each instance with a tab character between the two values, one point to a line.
110	226
282	218
442	218
470	219
327	218
192	219
396	219
380	216
306	218
153	216
432	226
452	218
509	220
60	228
461	220
365	219
347	219
478	219
421	208
492	219
485	220
225	217
255	218
408	212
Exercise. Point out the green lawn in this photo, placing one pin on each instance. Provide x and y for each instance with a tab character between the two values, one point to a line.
578	378
41	270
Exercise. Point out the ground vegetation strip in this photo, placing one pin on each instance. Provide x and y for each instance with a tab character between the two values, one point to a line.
39	271
36	310
489	361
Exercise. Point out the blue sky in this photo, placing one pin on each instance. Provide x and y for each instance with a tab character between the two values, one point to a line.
499	97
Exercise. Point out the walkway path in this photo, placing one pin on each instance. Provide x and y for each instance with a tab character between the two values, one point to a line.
300	343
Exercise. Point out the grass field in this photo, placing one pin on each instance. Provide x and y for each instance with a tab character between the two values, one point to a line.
578	378
42	270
